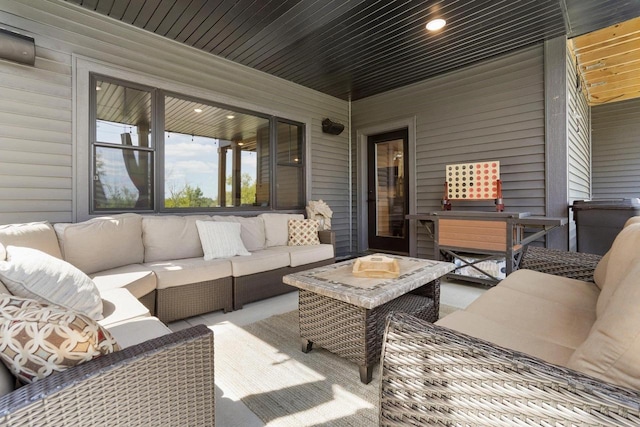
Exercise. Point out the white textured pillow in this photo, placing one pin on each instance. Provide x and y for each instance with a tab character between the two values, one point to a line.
30	273
220	239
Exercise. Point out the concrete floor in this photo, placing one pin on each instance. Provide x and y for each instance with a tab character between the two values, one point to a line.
230	411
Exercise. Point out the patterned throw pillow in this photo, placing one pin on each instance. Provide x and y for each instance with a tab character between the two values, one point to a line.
37	340
303	232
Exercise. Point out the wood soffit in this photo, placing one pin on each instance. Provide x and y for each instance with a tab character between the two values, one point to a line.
609	62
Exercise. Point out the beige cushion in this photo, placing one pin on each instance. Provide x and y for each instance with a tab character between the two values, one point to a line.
632	220
171	237
612	350
503	334
221	239
3	289
7	380
258	262
102	243
40	340
302	255
36	235
534	316
137	331
121	306
30	273
3	252
570	293
187	271
252	232
624	253
276	227
136	278
600	272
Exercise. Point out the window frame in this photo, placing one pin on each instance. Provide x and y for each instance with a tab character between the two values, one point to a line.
157	149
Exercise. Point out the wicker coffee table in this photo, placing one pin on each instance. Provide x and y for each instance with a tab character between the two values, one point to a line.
346	314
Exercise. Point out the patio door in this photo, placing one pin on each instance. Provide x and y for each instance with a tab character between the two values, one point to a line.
388	190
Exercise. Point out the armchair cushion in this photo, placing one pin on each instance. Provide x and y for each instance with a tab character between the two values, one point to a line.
31	273
38	340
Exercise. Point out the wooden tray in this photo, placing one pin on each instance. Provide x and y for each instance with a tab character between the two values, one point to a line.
376	266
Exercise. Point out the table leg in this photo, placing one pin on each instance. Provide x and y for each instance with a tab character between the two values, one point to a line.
366	373
306	345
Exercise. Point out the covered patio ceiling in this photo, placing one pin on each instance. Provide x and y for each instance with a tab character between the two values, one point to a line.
358	48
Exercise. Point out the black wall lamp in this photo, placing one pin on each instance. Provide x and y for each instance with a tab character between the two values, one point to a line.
332	128
17	47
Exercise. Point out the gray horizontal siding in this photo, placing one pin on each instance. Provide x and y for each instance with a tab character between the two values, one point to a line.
36	140
491	111
616	150
579	144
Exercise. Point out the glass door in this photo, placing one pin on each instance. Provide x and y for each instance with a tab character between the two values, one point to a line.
387	201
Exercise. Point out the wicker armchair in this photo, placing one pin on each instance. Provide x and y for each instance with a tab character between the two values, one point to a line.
167	381
431	375
575	265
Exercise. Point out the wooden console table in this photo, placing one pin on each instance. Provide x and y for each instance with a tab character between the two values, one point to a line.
487	235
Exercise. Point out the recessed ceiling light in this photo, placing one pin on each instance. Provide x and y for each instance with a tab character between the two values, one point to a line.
240	144
231	116
436	24
198	110
98	88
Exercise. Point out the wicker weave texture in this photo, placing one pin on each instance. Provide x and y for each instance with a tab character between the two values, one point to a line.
434	376
353	332
574	265
167	381
259	286
149	301
180	302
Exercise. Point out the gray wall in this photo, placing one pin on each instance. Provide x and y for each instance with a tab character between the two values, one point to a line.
491	111
616	150
579	144
38	136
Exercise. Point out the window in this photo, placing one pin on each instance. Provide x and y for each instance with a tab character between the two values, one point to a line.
122	149
157	151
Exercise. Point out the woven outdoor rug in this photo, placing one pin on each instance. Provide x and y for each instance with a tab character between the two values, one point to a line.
262	365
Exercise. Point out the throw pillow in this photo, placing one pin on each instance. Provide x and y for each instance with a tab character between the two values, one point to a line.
220	239
38	340
303	232
31	273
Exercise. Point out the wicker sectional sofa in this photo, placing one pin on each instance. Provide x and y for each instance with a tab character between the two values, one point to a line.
537	349
150	270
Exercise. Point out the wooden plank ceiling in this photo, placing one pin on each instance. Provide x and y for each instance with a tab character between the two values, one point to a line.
358	48
609	62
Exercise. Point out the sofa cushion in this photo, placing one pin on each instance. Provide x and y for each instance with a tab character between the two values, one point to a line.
534	316
276	227
30	273
136	278
102	243
121	306
303	232
612	350
571	293
3	252
252	232
259	262
171	237
504	335
137	331
302	255
624	254
38	340
36	235
221	239
600	272
187	271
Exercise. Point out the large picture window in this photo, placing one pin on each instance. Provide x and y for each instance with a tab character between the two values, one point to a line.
157	151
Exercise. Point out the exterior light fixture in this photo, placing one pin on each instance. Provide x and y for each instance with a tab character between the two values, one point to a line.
231	116
197	110
436	24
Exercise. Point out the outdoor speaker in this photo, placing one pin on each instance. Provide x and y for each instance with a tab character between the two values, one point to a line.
332	127
16	47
